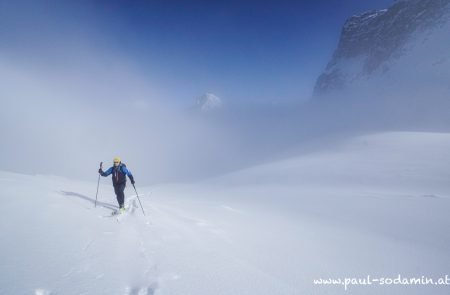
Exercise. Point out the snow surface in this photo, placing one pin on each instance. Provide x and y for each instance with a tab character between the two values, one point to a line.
375	205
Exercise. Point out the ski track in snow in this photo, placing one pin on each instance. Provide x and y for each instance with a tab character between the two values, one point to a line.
234	234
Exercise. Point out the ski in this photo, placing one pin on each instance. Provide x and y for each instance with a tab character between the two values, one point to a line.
120	215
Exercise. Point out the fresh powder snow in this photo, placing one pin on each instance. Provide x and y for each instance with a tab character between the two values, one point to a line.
374	205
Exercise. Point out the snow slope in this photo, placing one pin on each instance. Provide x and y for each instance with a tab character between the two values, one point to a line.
375	205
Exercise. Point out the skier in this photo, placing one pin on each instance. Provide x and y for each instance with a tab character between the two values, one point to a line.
119	172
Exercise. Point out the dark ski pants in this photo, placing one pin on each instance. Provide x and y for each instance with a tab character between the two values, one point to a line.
119	190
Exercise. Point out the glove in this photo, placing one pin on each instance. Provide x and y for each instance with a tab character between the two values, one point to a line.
100	171
132	180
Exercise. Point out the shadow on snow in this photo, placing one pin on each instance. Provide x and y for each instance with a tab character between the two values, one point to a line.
91	200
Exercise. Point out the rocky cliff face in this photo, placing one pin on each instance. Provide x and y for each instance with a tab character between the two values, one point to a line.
373	43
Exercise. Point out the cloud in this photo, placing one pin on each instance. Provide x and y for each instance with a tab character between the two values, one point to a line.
65	121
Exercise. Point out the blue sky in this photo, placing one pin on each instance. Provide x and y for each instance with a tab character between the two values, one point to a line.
244	51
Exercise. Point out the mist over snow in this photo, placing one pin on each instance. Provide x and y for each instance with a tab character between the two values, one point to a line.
251	188
57	121
92	103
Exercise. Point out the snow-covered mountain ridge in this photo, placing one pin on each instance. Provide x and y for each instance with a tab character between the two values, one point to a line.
208	102
409	40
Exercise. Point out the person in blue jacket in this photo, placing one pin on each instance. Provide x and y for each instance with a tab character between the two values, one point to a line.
119	172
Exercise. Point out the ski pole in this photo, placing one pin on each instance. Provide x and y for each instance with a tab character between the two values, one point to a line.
139	199
98	183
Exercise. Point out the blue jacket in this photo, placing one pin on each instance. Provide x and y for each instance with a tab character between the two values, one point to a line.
119	174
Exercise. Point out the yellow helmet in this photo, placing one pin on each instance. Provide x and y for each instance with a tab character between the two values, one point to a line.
116	160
